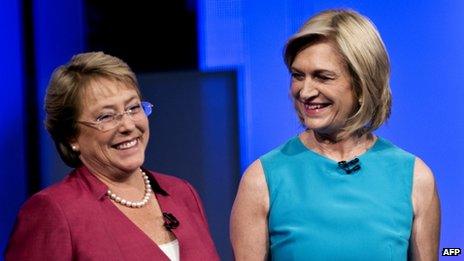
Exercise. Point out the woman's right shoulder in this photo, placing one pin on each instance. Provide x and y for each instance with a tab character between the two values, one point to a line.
253	183
292	146
41	223
42	202
253	177
54	195
255	168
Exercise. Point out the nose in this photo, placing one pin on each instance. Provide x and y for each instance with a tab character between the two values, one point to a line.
126	123
309	89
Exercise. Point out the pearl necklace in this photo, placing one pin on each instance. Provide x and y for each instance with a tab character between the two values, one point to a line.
131	204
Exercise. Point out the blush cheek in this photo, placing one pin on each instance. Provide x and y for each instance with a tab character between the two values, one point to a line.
299	108
294	90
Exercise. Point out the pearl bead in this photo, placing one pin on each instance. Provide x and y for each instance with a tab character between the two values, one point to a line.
131	204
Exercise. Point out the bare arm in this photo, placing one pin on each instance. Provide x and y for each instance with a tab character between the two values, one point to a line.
248	224
425	237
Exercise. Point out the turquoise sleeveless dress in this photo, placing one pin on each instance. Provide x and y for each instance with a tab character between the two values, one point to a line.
318	212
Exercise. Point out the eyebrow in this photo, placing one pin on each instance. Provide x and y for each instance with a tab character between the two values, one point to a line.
323	71
125	102
318	71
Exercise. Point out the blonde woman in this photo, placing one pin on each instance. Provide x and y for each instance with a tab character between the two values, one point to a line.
337	191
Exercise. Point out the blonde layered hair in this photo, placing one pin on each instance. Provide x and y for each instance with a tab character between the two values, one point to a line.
63	99
363	52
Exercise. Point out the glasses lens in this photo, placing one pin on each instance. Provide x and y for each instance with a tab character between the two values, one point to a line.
147	107
105	126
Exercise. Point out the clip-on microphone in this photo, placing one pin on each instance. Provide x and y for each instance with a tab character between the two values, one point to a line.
350	166
170	221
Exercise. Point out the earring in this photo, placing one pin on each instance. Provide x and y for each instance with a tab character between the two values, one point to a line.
74	148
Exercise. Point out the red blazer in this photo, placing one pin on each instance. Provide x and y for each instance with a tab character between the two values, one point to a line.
75	220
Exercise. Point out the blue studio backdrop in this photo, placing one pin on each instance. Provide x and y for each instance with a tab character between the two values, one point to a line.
424	40
12	170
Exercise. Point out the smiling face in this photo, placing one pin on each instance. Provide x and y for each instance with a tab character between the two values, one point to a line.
322	90
117	152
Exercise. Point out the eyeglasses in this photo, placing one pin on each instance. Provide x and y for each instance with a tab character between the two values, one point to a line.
110	121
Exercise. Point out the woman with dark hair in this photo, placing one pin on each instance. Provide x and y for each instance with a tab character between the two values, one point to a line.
109	207
337	191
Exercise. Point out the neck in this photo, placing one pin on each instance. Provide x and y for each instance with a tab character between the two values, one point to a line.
335	148
118	179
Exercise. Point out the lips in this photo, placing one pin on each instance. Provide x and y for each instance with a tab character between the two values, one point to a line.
314	109
315	106
126	144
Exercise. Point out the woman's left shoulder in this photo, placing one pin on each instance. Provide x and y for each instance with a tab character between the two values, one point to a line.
180	191
166	179
425	236
423	175
173	185
424	188
388	147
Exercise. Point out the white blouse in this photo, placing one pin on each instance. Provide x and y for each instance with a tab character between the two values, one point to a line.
171	249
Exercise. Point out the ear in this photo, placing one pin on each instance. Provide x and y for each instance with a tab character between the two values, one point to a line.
75	148
74	144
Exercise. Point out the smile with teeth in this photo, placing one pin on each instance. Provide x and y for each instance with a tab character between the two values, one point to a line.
315	106
126	145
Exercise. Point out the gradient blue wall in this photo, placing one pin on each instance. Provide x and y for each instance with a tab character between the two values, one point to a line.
59	34
12	170
424	39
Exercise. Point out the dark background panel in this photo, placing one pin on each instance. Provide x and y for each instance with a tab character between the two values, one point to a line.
245	35
149	35
13	180
194	135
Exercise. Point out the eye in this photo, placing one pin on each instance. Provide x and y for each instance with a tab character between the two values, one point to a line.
105	117
297	76
323	77
136	108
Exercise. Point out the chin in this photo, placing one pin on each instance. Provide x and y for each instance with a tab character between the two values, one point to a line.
129	169
315	124
129	166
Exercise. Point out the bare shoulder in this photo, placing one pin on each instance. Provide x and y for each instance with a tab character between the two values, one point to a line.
425	238
254	174
422	171
252	197
253	184
424	185
248	223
